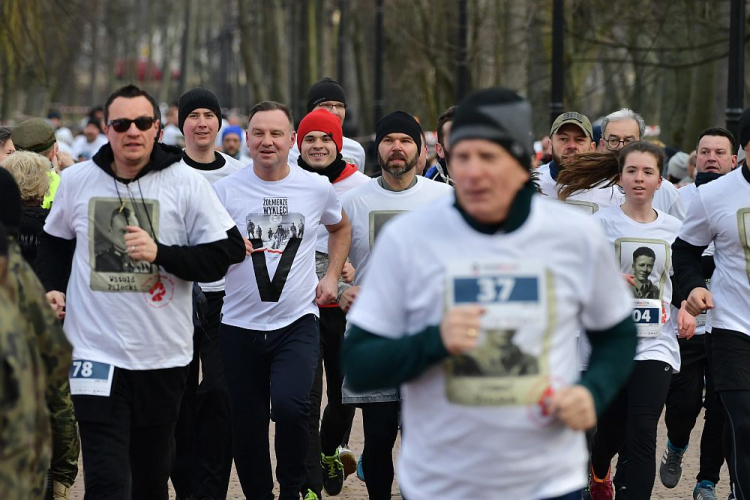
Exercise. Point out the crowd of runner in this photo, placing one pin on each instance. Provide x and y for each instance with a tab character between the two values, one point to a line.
169	285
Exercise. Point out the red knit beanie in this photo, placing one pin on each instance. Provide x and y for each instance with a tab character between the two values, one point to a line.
321	120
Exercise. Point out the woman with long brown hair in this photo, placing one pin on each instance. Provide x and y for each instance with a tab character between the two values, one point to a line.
641	238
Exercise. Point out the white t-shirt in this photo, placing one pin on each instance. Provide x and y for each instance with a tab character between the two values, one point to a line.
231	166
172	135
353	181
370	206
720	213
81	146
687	194
126	313
275	286
507	450
351	151
589	201
653	239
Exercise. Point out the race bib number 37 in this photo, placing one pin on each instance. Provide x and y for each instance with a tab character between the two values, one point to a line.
91	378
512	293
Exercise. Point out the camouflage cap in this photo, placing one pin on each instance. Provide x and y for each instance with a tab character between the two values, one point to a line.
35	135
573	117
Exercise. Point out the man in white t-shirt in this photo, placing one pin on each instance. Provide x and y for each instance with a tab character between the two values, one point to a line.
685	400
203	465
329	95
87	144
172	134
269	328
398	141
131	330
502	262
719	213
319	138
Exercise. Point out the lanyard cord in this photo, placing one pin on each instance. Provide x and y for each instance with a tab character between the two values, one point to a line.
135	204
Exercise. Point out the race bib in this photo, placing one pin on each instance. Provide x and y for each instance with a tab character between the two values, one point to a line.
648	318
509	365
91	378
512	294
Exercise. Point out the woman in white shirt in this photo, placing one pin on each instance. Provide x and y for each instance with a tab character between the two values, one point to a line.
641	237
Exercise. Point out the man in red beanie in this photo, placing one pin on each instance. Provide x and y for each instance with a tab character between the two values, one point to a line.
319	139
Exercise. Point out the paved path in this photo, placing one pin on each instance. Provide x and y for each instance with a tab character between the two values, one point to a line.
355	489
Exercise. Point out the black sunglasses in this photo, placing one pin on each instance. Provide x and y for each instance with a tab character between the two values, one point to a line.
123	124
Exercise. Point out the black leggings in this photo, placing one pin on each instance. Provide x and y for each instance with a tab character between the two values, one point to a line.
737	434
380	423
631	420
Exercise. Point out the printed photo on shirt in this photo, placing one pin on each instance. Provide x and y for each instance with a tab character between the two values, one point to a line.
498	356
743	221
112	268
510	364
275	231
378	218
646	261
586	207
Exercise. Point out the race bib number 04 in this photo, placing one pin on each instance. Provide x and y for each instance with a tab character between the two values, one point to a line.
647	316
91	378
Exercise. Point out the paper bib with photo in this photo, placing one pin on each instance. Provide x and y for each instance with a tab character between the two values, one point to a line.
743	223
378	218
112	269
509	366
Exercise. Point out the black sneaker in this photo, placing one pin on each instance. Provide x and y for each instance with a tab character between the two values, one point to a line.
333	473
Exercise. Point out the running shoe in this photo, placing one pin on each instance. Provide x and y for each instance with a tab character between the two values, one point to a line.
311	495
333	473
601	489
349	460
670	469
705	490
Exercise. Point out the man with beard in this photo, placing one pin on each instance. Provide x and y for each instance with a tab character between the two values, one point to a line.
398	142
572	134
231	144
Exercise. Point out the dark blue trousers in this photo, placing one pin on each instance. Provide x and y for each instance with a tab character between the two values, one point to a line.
269	376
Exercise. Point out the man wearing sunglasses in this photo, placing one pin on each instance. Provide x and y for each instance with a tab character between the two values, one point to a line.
132	332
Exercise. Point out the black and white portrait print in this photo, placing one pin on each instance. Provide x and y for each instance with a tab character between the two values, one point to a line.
112	268
647	262
497	356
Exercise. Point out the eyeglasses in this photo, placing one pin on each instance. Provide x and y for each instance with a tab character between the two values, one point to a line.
614	143
123	124
332	106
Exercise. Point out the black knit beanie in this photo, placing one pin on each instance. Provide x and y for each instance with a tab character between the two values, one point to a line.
744	128
10	202
399	122
325	90
194	99
498	115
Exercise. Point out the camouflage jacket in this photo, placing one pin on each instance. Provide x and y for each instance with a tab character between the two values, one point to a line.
25	441
45	333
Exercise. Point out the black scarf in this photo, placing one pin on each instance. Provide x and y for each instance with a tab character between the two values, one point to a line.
706	177
332	171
